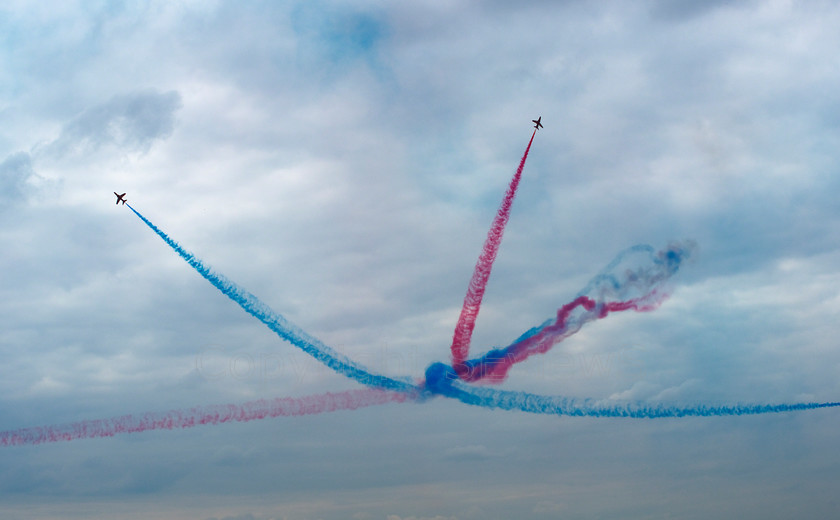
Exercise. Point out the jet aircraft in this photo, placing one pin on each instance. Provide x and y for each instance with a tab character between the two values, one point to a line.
120	198
537	123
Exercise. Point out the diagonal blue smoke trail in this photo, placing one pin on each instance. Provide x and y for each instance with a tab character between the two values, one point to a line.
442	380
281	326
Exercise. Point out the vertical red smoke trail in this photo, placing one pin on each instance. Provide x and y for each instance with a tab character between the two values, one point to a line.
475	292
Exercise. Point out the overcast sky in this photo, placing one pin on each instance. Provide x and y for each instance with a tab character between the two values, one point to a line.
343	161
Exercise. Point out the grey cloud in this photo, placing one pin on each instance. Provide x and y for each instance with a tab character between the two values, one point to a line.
397	517
469	452
548	507
247	516
15	171
685	10
20	182
131	122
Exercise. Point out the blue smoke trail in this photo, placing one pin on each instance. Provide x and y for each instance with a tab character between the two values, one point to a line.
606	277
443	380
282	327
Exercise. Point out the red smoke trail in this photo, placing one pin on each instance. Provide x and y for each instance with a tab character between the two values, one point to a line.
201	415
478	283
494	366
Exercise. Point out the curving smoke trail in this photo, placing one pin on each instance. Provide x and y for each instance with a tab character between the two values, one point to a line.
639	287
201	415
281	326
475	291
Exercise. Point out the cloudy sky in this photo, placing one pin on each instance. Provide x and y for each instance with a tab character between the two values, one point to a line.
343	161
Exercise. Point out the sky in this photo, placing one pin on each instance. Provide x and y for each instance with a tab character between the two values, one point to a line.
343	161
